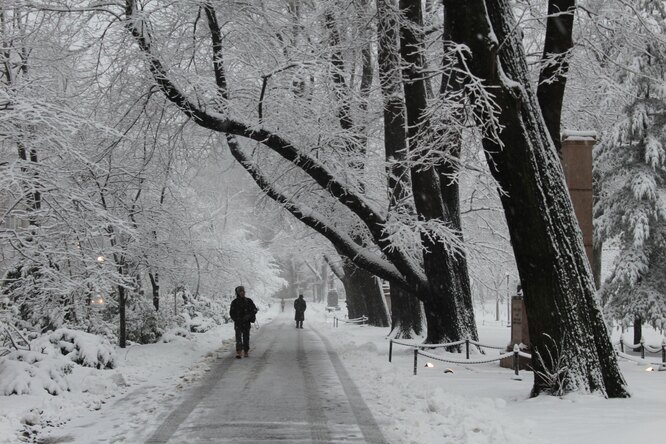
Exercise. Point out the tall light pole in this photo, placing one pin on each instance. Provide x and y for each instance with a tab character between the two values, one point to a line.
508	302
497	304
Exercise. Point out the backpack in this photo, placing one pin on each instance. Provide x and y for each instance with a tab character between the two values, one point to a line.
253	315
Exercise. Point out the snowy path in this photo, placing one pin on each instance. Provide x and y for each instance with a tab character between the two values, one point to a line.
292	388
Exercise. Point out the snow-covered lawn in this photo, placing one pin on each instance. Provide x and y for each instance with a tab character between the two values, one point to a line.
116	405
473	404
482	404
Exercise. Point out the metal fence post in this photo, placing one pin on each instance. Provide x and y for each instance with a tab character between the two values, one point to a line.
390	349
515	358
642	348
467	348
416	358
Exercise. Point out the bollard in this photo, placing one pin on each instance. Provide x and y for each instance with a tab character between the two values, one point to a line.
467	348
642	348
515	358
416	358
621	345
663	350
390	349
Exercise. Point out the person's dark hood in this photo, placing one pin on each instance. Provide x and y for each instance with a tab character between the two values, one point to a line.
237	289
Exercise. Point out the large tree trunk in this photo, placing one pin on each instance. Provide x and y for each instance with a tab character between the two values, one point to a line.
638	330
406	316
364	297
559	293
444	300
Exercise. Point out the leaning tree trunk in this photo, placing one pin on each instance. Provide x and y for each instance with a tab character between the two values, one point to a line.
559	292
447	306
555	65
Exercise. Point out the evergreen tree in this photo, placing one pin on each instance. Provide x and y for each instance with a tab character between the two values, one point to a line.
631	163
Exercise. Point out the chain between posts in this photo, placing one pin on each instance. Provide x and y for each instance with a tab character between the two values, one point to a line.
643	347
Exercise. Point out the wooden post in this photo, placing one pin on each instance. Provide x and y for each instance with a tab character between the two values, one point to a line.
416	358
390	349
467	348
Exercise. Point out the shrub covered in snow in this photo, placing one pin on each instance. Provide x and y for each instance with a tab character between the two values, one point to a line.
24	372
80	347
201	313
145	325
175	333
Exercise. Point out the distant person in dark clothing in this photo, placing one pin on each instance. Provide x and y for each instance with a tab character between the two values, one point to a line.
300	306
242	312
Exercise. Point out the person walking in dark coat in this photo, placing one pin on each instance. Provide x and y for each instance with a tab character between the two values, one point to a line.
300	306
242	312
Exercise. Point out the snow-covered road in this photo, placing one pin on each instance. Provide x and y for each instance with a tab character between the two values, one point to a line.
293	388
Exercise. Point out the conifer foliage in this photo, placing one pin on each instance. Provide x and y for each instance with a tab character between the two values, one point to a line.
631	162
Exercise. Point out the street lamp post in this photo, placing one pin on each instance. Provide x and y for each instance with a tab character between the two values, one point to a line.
497	305
508	302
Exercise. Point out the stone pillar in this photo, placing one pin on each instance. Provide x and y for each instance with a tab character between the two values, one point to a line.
577	163
520	334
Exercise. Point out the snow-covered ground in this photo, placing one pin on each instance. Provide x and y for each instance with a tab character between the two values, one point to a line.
473	404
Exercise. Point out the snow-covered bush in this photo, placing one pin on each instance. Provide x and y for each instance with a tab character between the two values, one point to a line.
24	372
201	313
80	347
175	334
145	325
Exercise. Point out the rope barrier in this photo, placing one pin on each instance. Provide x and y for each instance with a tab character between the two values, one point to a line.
494	347
360	320
653	349
643	347
637	360
465	361
516	353
415	345
467	342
